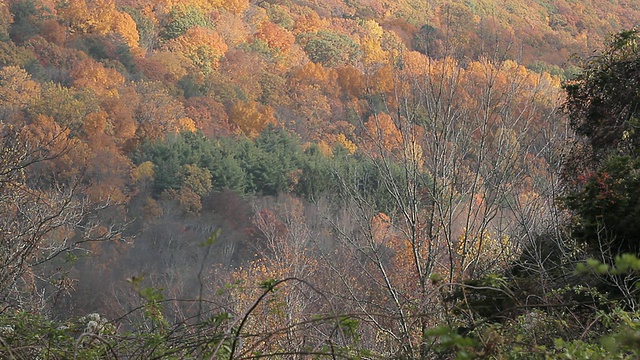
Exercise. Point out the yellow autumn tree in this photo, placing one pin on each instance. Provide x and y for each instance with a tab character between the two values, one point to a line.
485	252
142	172
5	14
204	47
75	14
98	17
124	25
185	124
235	6
251	117
16	91
338	133
373	53
196	179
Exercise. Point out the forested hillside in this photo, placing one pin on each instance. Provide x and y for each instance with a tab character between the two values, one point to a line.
344	179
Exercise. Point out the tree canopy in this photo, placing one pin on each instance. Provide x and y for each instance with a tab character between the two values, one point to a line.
603	103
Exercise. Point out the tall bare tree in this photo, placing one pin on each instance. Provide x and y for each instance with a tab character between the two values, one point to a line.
464	151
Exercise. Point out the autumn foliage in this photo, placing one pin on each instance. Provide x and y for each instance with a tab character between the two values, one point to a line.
356	163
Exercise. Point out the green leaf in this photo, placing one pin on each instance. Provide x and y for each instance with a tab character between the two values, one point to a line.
268	285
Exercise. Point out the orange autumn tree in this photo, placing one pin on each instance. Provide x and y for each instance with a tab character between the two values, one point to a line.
233	29
275	36
70	153
75	14
122	117
244	70
309	21
352	82
209	116
399	274
91	159
311	88
107	170
381	131
91	74
164	65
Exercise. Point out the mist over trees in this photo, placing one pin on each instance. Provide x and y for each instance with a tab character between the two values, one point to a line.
293	179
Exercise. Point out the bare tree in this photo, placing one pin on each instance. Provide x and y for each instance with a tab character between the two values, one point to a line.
38	223
465	153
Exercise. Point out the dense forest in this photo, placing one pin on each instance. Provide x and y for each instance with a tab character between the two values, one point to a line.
235	179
